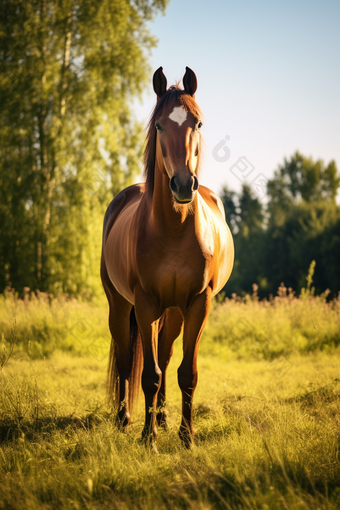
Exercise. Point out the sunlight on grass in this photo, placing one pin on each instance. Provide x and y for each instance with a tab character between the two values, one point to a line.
267	413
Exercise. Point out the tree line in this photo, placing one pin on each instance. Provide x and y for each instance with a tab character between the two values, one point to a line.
69	73
277	241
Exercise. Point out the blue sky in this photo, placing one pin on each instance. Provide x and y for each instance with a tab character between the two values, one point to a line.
268	77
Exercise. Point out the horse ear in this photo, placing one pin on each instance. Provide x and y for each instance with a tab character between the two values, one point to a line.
159	82
190	81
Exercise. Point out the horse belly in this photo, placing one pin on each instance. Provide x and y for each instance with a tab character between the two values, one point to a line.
118	254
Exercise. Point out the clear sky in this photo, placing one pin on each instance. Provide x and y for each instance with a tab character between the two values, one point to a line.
268	77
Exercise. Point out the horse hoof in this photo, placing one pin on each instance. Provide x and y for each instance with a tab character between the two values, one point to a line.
162	420
153	448
122	420
186	439
149	436
150	443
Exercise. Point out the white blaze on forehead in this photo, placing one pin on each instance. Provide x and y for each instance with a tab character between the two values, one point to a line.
179	115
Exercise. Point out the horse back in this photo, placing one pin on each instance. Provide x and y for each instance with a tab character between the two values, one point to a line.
130	194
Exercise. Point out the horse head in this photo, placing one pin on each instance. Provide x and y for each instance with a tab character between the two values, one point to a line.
177	120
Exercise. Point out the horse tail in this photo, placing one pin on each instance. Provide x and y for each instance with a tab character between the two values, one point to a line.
112	375
136	367
137	360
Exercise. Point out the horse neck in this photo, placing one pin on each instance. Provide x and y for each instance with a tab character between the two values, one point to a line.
163	208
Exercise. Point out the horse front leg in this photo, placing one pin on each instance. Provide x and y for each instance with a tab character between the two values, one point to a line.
148	321
194	321
168	334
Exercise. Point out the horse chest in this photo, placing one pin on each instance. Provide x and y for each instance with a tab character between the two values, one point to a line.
173	277
182	270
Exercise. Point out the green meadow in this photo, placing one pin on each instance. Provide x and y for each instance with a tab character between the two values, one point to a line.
267	411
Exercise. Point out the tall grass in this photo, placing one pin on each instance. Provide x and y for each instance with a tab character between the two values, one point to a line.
238	328
267	411
247	327
44	324
263	440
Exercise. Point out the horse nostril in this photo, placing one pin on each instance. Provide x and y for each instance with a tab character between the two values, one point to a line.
173	185
194	186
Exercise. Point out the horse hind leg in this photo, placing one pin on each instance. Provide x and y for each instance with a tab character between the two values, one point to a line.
125	353
121	362
170	330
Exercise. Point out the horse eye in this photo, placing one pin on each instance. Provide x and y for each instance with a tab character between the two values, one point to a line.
199	125
158	126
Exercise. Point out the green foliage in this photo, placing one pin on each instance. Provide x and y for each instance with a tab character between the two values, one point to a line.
309	232
301	179
244	213
69	71
245	216
301	223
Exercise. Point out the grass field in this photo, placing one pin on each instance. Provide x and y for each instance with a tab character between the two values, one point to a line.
267	411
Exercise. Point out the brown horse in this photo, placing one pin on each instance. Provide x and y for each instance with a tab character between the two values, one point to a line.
166	252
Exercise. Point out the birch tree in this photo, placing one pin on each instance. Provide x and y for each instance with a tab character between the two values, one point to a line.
69	73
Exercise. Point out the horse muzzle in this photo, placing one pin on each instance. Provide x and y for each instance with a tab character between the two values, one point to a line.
183	192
